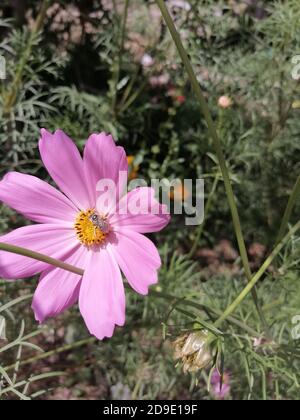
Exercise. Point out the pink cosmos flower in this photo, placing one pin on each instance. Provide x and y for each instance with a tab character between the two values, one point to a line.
72	228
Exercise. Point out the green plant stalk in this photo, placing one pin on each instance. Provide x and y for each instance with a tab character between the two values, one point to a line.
289	209
231	308
12	388
204	308
218	148
20	341
206	211
53	352
133	98
117	71
11	95
14	302
40	257
129	87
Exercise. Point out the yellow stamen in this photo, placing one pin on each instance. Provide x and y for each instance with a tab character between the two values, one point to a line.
87	233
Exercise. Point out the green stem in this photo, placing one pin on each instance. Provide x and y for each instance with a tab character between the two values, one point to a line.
10	97
218	148
132	98
117	71
206	309
129	87
231	308
40	257
53	352
206	211
289	209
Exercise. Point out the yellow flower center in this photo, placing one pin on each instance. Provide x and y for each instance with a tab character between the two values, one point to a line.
91	228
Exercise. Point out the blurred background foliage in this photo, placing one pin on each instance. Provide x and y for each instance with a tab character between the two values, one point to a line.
72	67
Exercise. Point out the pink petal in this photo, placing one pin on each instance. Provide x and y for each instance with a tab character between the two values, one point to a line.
150	217
52	240
64	164
102	159
58	289
102	297
138	258
36	199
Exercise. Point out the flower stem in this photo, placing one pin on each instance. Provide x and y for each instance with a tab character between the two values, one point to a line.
289	209
206	210
218	148
53	352
11	95
231	308
40	257
204	308
118	65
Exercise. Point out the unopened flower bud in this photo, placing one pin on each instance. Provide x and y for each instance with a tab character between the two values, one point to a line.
224	102
193	350
147	60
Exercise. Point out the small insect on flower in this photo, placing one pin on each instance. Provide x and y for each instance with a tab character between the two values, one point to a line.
100	222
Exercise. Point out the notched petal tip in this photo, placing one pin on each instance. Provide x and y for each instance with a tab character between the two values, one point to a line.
38	316
145	291
43	131
107	334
